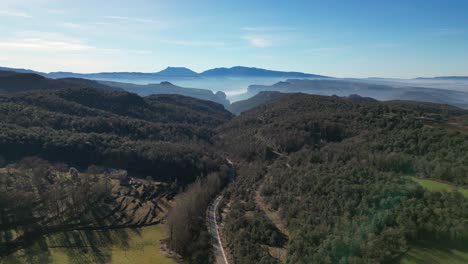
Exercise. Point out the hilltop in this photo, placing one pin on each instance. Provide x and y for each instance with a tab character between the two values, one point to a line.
11	82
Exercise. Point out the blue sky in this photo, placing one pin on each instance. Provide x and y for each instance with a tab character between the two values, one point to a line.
343	38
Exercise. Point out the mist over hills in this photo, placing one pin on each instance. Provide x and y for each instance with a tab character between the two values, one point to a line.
444	78
226	85
169	88
377	91
346	157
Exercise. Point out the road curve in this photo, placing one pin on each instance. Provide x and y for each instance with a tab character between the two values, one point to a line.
213	228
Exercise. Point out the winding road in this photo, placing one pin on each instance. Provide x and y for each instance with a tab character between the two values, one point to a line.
213	228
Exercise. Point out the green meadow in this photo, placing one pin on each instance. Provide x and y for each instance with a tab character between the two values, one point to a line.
118	246
437	252
437	186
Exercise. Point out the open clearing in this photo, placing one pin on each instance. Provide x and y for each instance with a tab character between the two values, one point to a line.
118	246
442	252
437	186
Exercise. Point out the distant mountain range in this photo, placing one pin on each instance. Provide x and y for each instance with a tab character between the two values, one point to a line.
183	72
455	78
240	71
174	72
232	78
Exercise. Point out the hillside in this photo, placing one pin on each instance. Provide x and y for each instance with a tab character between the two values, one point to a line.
20	82
169	88
86	126
254	101
377	91
325	180
91	161
319	179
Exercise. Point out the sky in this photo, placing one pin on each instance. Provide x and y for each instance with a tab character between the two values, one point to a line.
341	38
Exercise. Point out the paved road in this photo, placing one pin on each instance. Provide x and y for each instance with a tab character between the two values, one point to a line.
213	228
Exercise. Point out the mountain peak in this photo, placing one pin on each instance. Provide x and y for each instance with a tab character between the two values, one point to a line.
166	83
242	71
177	71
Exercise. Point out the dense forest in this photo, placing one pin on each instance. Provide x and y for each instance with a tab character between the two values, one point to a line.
319	179
86	158
13	82
339	173
165	136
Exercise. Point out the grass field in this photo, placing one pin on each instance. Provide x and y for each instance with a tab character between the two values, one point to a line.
440	252
432	185
122	246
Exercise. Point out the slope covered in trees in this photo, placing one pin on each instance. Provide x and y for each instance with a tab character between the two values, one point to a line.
254	101
164	142
11	82
336	170
165	136
166	87
366	88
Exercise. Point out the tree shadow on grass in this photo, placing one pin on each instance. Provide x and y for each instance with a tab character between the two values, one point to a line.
84	246
438	251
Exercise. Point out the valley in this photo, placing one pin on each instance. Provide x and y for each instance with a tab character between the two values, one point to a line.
103	175
234	86
233	132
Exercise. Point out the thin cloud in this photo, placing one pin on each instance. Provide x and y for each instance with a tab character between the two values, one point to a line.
72	25
102	23
259	41
267	29
386	45
54	11
44	45
194	43
328	51
143	52
49	41
135	19
14	13
263	37
257	29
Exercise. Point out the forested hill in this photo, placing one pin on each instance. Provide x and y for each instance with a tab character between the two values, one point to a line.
254	101
169	88
331	180
167	136
20	82
320	179
383	92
